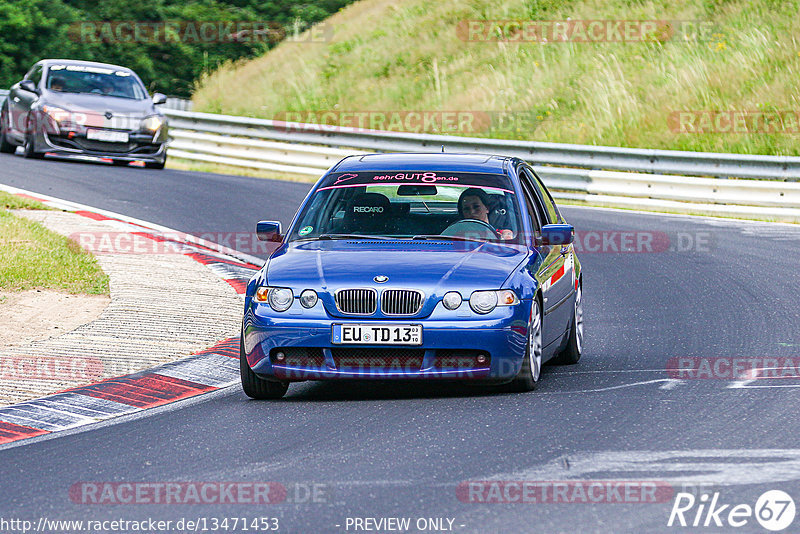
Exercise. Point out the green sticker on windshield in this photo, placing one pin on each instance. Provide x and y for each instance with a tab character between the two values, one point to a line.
306	230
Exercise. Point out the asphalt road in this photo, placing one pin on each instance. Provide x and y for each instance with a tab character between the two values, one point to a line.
383	450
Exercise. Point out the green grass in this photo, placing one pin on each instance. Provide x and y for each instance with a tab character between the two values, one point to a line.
13	202
388	55
37	258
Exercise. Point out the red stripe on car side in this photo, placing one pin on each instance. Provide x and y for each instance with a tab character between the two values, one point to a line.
557	276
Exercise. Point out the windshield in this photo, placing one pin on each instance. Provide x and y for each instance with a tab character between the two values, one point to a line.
94	80
412	204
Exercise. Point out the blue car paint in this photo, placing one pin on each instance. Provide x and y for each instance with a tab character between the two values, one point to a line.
435	267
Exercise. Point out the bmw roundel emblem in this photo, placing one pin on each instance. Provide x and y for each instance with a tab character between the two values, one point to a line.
381	278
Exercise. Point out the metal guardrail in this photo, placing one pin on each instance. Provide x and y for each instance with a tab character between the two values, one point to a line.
771	192
584	156
176	102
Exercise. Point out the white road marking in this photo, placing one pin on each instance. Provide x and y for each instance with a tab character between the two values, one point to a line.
724	467
754	375
672	384
610	388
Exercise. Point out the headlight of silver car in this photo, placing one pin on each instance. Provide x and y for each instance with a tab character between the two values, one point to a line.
55	113
485	301
279	298
152	123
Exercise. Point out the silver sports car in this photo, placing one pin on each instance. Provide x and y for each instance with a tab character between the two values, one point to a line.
81	108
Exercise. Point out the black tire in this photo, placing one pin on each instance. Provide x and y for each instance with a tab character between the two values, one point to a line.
5	146
572	352
256	387
531	369
30	144
157	164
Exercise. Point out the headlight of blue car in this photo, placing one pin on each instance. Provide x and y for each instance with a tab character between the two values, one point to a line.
279	298
483	302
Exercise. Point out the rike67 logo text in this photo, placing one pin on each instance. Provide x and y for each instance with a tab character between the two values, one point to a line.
774	510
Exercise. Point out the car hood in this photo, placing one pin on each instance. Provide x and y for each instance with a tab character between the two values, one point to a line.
432	266
99	104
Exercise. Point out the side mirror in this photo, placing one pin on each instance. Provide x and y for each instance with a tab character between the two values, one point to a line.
28	85
269	231
159	98
558	234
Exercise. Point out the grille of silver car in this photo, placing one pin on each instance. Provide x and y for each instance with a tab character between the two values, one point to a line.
357	301
401	302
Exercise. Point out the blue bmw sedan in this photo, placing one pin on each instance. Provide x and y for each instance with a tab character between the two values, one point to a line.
415	266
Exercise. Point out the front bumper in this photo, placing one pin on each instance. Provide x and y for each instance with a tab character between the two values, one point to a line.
139	148
469	346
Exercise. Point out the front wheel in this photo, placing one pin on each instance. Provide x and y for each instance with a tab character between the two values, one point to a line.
5	146
572	352
254	386
157	164
30	143
528	375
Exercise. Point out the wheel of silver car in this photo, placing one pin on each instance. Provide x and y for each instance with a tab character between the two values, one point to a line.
5	146
531	369
574	348
29	147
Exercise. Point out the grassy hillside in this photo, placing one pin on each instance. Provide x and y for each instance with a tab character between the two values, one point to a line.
386	55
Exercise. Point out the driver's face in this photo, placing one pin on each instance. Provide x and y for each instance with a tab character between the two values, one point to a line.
473	208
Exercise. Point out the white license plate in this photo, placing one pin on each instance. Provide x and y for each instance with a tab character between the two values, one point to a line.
377	334
107	135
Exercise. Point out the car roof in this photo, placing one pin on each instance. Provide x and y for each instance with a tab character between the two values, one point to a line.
48	62
434	161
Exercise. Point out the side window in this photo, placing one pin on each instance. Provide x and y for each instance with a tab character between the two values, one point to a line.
35	75
531	199
549	205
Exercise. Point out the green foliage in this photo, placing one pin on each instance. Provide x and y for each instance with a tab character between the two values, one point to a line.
740	56
31	30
